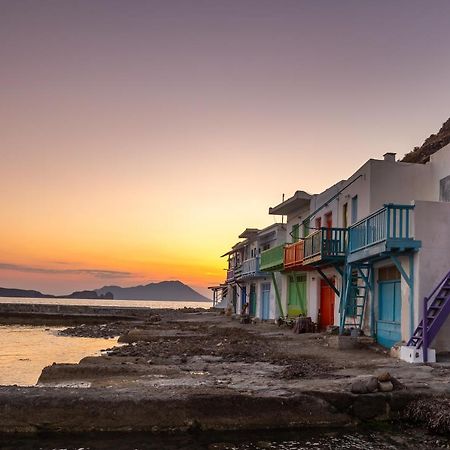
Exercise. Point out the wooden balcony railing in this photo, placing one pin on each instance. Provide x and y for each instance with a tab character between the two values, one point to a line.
325	245
272	259
250	267
391	223
294	254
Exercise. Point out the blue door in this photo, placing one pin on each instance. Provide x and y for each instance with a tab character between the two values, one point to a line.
243	297
389	313
265	301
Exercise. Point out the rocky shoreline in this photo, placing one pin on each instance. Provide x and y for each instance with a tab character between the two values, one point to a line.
194	370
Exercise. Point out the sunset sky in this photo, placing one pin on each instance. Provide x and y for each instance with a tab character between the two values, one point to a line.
139	138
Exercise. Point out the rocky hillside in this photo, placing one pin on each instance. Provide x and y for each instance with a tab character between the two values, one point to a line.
431	145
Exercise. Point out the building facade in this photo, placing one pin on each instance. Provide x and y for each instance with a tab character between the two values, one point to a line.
363	254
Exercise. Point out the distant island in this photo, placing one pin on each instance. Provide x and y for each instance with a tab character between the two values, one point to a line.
163	291
7	292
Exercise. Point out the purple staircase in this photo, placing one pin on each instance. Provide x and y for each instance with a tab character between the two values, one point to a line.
436	308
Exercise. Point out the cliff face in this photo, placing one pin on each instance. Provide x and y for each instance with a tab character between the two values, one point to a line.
431	145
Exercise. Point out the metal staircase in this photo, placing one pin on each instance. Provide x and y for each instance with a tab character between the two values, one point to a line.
357	285
436	308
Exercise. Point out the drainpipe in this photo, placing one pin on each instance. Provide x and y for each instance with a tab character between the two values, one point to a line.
411	295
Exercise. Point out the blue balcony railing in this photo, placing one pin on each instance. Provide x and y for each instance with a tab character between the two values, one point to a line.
249	267
391	224
325	244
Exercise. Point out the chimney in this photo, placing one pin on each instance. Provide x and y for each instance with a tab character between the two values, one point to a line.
389	156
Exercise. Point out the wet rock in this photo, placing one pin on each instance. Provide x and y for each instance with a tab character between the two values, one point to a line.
359	387
221	446
372	384
371	407
385	386
364	385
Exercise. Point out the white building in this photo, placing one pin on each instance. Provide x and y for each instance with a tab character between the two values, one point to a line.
251	289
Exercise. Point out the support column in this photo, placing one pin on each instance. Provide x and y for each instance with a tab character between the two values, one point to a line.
277	295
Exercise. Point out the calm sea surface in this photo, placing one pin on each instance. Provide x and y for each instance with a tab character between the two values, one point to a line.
26	350
133	303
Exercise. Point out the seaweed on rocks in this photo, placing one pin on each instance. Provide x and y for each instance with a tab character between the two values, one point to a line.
433	412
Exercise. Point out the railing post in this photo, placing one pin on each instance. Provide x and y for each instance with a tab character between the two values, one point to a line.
425	330
388	222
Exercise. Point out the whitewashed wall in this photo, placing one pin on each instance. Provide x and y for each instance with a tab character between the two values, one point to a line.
432	227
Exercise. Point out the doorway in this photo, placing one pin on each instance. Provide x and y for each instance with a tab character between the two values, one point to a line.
327	299
243	297
252	300
389	307
295	302
265	301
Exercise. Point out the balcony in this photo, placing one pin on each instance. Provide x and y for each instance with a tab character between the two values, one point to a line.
249	268
233	273
325	246
294	255
384	231
272	259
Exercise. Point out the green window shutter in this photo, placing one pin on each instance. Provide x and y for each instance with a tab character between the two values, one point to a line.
305	228
295	233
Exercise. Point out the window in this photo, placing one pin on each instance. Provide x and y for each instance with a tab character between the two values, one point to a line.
318	222
295	232
354	209
444	192
389	273
345	215
305	228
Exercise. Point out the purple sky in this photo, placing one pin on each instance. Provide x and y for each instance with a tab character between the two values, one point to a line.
128	125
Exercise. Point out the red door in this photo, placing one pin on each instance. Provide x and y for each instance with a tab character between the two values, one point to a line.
326	313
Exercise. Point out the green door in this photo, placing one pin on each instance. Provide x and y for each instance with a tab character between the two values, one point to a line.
252	300
297	295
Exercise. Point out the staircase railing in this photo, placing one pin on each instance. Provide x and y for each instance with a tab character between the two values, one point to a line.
424	322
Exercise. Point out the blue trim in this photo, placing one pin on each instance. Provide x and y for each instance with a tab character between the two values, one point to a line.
410	281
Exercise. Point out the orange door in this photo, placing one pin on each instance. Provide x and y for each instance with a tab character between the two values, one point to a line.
326	313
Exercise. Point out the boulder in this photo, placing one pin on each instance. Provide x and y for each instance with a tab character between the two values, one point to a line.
364	385
385	386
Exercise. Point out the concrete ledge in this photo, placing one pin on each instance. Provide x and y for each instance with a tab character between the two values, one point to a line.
28	410
21	313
